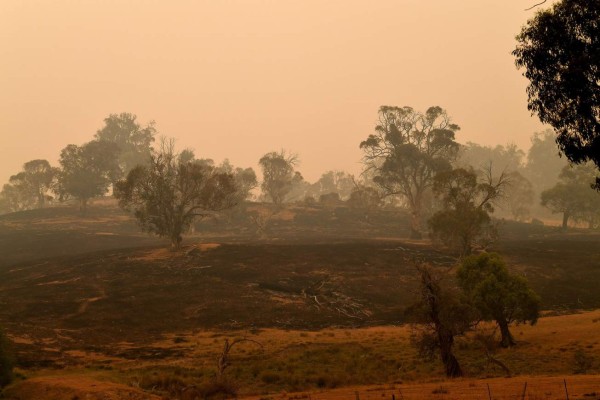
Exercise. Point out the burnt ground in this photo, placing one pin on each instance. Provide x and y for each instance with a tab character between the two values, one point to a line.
87	283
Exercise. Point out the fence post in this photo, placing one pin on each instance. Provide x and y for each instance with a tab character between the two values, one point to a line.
489	391
357	396
524	391
566	391
393	396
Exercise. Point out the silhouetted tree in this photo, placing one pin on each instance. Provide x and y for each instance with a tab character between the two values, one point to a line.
36	180
133	140
364	199
278	175
245	179
560	51
407	150
12	200
338	182
29	188
466	206
443	316
519	196
573	195
167	195
544	163
87	171
498	294
505	158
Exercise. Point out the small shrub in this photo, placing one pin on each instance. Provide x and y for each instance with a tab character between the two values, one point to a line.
219	387
582	362
537	222
269	377
440	390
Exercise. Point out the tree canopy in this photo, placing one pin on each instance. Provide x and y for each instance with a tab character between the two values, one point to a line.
573	195
560	51
407	150
28	188
466	203
167	195
133	141
498	294
87	171
278	175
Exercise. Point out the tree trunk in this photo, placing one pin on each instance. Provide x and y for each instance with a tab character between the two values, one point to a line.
415	224
444	334
176	242
565	220
507	338
83	205
446	339
40	200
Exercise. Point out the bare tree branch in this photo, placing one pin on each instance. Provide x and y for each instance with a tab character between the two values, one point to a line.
535	5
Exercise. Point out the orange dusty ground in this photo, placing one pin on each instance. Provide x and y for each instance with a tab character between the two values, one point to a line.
578	387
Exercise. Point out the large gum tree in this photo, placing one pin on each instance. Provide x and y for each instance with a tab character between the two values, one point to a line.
559	50
406	152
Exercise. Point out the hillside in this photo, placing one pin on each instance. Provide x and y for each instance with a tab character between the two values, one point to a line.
80	291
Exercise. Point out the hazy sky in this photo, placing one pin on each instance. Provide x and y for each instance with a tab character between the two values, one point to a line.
237	79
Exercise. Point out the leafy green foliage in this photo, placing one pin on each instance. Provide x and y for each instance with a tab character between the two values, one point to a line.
407	150
167	195
560	51
497	294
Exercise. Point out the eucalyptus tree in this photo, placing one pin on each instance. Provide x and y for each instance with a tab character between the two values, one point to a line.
169	193
133	140
279	175
559	48
28	188
573	195
87	171
497	294
466	204
407	151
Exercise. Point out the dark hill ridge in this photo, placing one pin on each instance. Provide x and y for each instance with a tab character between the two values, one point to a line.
62	230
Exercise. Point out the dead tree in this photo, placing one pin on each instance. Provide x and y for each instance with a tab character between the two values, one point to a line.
223	361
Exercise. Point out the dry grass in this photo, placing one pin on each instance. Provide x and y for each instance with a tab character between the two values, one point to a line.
320	361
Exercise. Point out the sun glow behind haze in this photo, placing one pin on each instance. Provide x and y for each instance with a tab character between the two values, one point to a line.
236	79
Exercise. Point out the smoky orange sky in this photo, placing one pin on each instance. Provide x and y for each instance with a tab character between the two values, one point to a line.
236	79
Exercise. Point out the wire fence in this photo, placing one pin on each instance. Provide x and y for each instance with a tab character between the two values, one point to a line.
572	388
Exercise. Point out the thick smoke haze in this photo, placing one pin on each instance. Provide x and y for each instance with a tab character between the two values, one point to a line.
236	79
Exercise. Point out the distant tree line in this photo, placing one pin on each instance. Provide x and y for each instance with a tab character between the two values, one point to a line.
411	161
